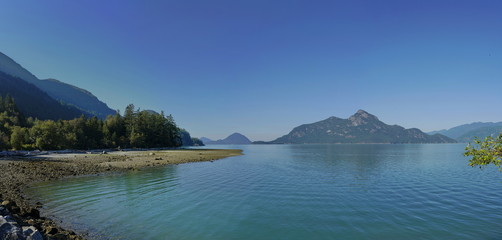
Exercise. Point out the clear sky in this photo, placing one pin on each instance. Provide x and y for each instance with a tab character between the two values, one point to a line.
263	67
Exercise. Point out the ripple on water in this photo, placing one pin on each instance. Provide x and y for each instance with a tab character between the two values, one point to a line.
292	192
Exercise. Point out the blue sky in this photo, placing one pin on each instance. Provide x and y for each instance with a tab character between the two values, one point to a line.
264	67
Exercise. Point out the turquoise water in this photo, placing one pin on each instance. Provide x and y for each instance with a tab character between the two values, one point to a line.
414	191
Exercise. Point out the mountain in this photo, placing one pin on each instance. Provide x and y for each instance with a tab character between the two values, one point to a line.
361	127
9	66
235	138
59	91
33	102
462	131
480	133
206	140
78	97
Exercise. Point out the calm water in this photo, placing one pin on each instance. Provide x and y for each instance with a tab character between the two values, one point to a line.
292	192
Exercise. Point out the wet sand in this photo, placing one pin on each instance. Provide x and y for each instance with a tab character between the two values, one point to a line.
18	173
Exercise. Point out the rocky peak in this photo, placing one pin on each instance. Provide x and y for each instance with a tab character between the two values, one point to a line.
361	117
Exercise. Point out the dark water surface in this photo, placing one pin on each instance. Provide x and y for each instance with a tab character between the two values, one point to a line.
412	191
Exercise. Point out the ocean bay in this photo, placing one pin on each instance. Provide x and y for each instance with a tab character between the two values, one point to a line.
324	191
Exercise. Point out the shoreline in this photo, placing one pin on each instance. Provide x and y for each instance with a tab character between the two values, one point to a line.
18	174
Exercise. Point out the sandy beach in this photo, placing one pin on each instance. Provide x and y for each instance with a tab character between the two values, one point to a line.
18	173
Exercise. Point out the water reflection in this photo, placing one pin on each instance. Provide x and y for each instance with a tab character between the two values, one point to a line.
156	181
292	192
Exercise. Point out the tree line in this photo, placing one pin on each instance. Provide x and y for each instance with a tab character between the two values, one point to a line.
136	129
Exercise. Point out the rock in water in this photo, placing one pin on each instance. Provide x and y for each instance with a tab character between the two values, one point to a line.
32	233
9	230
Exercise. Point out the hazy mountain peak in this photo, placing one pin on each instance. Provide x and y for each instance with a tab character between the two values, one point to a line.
360	111
361	117
236	134
234	138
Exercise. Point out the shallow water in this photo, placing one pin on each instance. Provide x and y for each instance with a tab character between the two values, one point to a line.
411	191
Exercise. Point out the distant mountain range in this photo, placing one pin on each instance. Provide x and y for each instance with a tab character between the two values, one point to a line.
205	140
54	99
64	94
467	132
361	127
235	138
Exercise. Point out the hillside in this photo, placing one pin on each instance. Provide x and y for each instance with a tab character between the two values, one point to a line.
361	127
458	131
59	91
10	67
480	133
78	97
33	102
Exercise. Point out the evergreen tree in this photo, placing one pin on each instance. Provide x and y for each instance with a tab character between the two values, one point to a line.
143	129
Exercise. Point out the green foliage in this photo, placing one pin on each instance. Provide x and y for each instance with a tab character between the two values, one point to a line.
19	138
137	129
47	135
197	142
114	131
4	140
485	152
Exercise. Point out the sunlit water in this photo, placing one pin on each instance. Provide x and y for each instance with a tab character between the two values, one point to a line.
414	191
